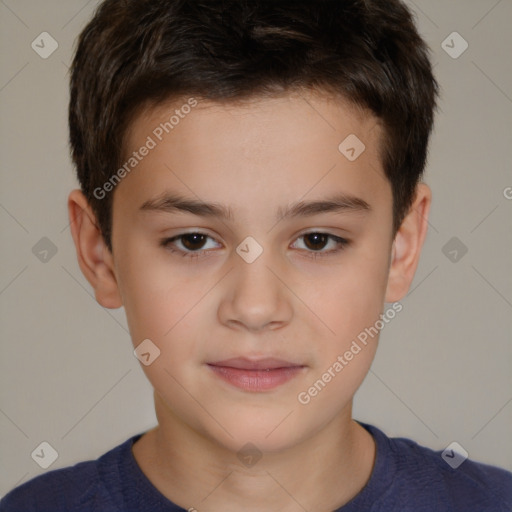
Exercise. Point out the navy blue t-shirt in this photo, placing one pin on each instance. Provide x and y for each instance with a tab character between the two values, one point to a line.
405	477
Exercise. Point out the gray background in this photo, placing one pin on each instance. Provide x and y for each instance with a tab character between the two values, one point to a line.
443	368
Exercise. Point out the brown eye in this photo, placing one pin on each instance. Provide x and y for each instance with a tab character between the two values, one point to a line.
317	244
193	241
316	241
191	245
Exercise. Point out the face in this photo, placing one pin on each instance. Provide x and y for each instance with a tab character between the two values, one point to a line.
252	253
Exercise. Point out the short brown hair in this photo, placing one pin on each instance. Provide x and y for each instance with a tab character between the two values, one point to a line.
144	52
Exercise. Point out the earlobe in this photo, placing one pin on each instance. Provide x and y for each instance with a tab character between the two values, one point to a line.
407	245
93	255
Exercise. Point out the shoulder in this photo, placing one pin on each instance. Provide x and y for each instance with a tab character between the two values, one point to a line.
83	487
58	490
448	481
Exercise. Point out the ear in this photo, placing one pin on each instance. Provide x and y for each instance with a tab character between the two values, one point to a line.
407	245
93	255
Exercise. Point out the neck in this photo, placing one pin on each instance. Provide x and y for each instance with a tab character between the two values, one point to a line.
322	473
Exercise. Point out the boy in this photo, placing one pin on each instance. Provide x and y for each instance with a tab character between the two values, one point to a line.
250	193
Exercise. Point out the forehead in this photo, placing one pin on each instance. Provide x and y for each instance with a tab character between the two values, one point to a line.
277	148
290	115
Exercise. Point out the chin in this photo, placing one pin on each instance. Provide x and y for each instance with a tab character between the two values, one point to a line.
267	432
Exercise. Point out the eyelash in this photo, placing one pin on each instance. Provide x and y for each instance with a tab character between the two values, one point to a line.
166	243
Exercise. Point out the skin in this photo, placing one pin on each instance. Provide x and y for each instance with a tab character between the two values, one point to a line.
254	157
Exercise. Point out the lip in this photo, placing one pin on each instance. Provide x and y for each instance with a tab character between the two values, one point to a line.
256	374
243	363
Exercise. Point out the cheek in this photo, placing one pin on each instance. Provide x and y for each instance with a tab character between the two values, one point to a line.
161	307
350	306
351	297
156	297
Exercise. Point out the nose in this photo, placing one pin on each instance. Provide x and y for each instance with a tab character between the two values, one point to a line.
255	298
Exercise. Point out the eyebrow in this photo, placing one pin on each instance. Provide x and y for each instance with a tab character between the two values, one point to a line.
173	203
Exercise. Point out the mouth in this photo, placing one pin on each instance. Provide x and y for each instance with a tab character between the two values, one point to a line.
256	375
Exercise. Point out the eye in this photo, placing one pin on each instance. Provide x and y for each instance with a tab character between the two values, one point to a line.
196	244
188	244
315	243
